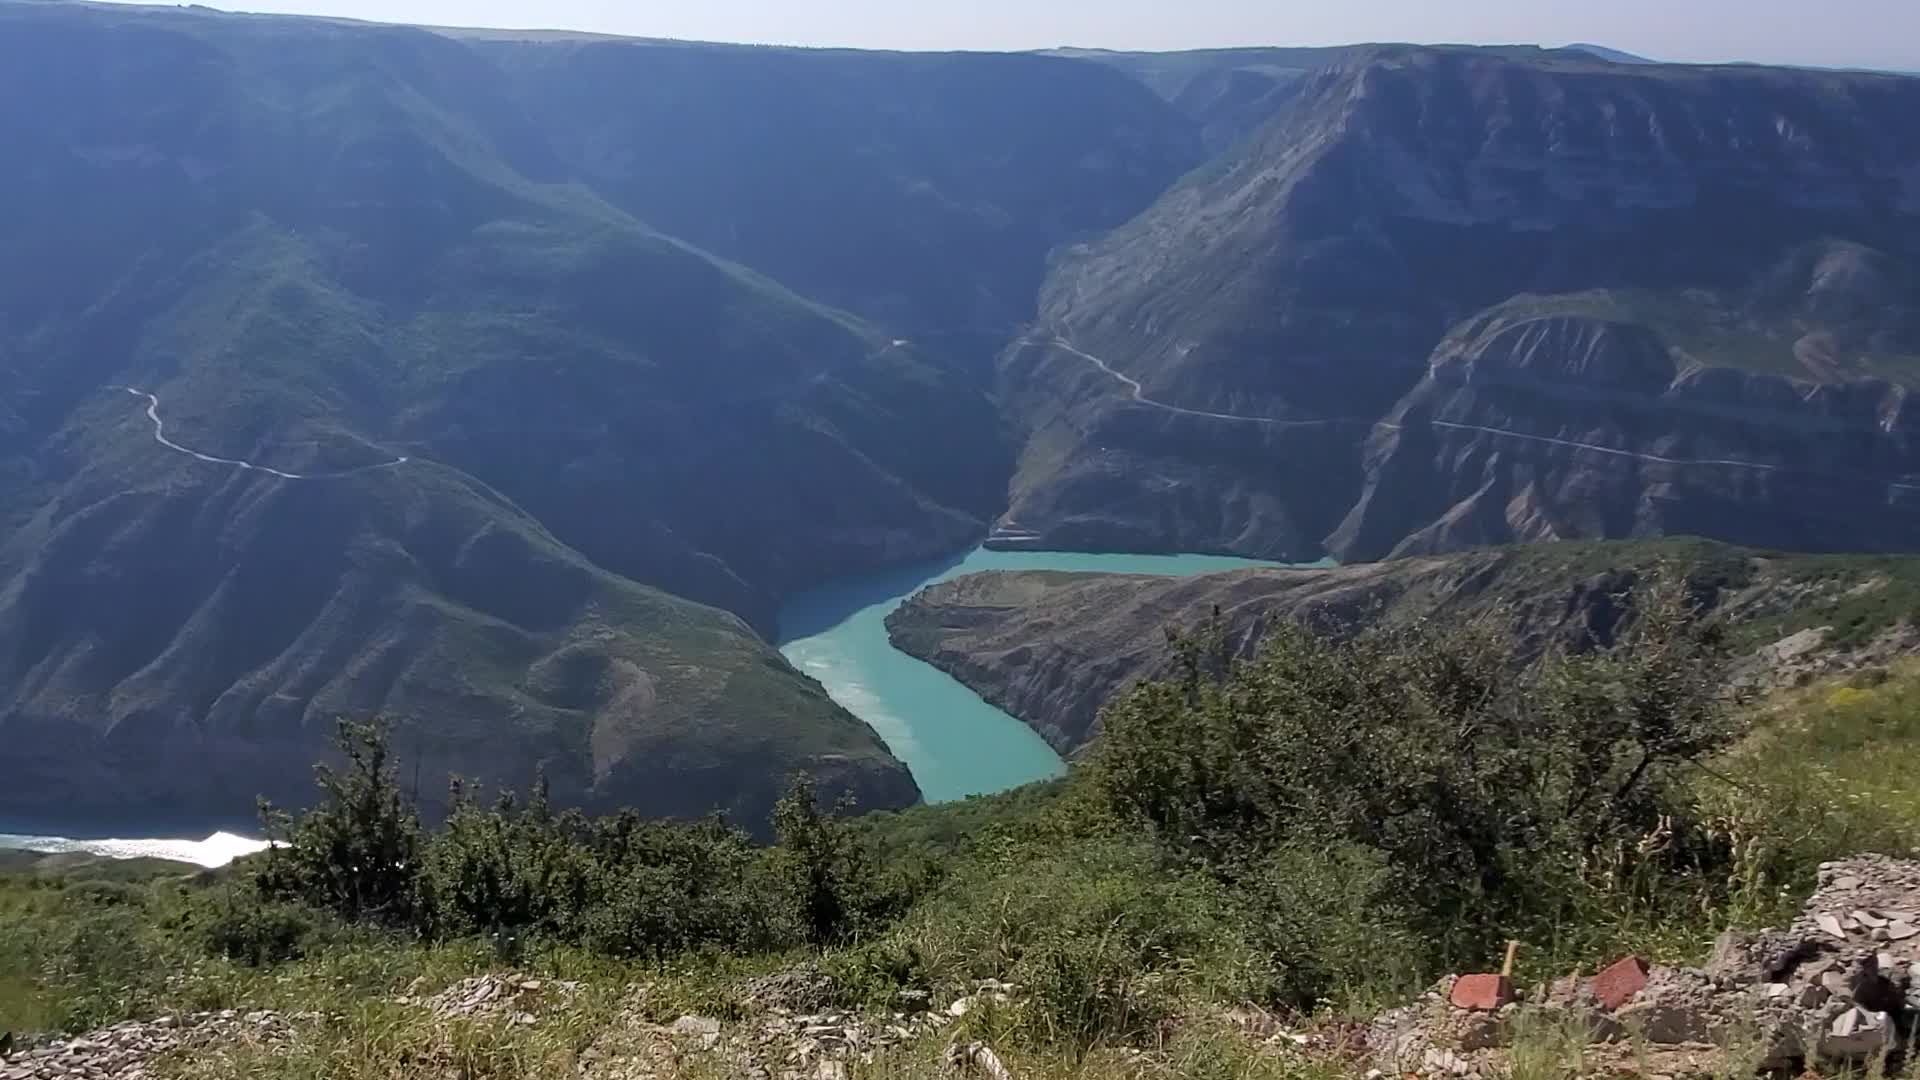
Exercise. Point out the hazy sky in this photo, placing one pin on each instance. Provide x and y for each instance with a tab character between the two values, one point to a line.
1867	33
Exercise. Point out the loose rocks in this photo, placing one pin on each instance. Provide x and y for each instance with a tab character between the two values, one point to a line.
1839	986
128	1051
516	995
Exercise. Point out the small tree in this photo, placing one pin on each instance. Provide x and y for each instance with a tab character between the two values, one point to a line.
824	868
357	852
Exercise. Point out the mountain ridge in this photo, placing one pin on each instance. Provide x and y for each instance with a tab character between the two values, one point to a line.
1316	272
719	324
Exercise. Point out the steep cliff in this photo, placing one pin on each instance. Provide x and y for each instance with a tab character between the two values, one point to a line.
1482	298
1052	648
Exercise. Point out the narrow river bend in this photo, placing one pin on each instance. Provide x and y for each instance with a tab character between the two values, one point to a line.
956	744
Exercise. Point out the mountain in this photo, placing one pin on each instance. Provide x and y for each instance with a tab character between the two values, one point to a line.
506	383
1228	93
1448	298
1053	648
1612	56
920	190
321	266
453	431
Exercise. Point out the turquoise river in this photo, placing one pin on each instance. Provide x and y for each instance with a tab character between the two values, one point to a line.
956	744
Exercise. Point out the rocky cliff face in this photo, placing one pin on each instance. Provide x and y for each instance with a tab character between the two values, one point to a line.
1550	427
1052	648
1484	299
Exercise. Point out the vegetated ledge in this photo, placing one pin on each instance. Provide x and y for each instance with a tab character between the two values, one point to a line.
1053	647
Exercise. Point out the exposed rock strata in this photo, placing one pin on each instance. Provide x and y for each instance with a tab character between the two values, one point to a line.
1053	648
1446	298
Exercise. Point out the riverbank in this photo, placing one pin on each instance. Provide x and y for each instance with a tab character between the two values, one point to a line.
955	743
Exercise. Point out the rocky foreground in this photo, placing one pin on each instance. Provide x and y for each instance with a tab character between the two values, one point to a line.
785	1038
1837	988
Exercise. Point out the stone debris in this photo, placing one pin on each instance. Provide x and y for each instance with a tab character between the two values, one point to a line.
977	1057
779	1043
802	988
1839	986
129	1051
1856	1035
517	996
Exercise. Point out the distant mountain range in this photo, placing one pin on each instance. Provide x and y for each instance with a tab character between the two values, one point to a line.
1611	55
504	384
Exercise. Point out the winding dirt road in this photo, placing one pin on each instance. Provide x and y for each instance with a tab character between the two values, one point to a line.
1138	394
160	436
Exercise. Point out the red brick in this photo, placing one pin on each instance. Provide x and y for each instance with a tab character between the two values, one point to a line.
1483	992
1616	986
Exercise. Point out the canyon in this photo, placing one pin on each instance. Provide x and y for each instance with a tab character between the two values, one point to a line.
505	386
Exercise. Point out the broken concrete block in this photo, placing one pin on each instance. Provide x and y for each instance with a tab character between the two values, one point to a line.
1616	985
1485	993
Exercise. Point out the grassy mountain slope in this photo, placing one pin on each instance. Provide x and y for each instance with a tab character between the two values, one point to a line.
178	639
326	247
1053	648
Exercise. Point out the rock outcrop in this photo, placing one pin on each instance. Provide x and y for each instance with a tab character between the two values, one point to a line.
1839	987
1053	648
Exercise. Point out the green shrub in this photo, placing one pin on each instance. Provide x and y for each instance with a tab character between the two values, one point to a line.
260	933
1103	942
1333	924
836	891
1493	795
663	889
99	954
507	871
358	852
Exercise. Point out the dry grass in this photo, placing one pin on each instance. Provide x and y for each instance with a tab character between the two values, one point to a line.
386	1042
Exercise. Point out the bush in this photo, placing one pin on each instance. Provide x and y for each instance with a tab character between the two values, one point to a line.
830	879
260	933
663	889
1102	941
1332	922
1492	795
507	871
356	854
98	953
518	871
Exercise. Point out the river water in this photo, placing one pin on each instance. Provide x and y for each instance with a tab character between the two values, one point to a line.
216	850
955	744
